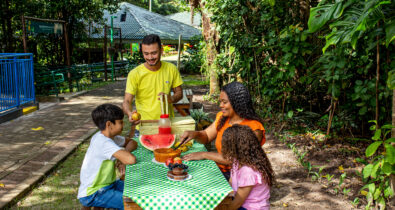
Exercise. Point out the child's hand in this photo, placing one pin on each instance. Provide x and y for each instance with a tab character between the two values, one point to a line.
121	169
132	121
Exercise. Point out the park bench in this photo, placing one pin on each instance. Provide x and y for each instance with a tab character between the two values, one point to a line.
96	68
185	104
51	80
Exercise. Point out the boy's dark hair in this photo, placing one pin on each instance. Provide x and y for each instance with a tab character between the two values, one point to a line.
240	99
104	113
152	39
239	143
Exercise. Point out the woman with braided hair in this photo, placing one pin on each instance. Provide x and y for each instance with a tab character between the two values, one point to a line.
236	108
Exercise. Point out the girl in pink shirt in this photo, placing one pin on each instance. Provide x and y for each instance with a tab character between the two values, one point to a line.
251	174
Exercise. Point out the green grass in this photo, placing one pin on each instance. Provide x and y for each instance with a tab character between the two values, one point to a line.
60	188
193	80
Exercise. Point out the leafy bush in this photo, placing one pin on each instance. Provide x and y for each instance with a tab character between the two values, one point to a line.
379	167
135	59
192	61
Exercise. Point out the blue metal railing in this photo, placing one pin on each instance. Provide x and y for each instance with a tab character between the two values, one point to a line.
16	80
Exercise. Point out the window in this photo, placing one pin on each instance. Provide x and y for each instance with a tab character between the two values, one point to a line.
123	17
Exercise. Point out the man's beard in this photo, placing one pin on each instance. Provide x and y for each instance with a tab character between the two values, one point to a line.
157	61
153	64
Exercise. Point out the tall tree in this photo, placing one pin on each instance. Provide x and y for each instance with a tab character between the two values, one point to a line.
211	37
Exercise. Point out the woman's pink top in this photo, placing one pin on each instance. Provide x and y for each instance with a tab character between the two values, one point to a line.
260	193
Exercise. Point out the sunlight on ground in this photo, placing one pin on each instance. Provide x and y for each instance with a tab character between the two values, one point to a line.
60	188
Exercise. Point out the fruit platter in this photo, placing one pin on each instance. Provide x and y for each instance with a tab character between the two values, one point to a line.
177	170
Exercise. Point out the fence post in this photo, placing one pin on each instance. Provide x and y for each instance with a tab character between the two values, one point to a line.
32	77
16	83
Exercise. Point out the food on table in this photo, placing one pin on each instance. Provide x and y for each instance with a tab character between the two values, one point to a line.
177	171
136	116
162	154
169	160
155	141
178	160
185	147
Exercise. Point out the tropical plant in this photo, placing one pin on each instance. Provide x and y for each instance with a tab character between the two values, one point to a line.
377	172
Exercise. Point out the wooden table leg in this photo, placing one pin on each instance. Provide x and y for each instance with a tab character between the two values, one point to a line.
130	205
181	109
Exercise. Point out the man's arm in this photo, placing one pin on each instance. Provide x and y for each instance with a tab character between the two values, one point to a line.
127	104
177	94
127	108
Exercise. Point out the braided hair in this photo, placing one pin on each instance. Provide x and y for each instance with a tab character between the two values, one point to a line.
241	102
239	143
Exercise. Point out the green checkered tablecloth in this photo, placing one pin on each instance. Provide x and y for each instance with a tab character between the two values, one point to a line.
146	183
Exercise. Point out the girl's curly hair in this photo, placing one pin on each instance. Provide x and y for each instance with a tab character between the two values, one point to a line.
239	143
240	100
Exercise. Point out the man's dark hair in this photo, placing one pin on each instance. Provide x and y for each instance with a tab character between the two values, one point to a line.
104	113
152	39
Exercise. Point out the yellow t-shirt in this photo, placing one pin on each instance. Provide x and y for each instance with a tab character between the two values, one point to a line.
145	85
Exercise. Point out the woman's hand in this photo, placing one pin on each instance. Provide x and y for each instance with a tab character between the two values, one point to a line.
194	156
189	135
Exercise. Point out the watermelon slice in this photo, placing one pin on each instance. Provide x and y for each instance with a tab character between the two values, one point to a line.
156	141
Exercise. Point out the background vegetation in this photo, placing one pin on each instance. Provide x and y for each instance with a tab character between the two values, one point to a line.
331	64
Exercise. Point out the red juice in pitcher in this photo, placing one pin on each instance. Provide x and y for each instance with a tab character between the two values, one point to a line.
164	125
164	130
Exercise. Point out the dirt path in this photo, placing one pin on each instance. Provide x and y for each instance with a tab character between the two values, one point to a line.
293	190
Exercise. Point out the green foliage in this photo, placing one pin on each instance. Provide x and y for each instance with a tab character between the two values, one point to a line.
192	61
135	59
276	50
350	19
199	115
377	171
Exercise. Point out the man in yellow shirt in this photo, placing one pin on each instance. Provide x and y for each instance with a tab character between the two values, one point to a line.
149	80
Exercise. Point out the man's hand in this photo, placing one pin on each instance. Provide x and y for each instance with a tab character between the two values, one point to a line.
169	99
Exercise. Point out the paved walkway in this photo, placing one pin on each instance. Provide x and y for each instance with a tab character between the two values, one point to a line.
33	144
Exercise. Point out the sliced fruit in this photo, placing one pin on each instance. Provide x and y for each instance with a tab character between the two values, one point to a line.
156	141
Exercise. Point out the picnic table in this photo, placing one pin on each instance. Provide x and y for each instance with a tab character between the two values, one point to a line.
147	186
185	104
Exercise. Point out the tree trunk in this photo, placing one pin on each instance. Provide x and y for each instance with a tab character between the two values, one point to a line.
211	38
8	32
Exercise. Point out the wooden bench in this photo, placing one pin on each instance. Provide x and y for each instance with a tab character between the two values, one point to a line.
183	105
